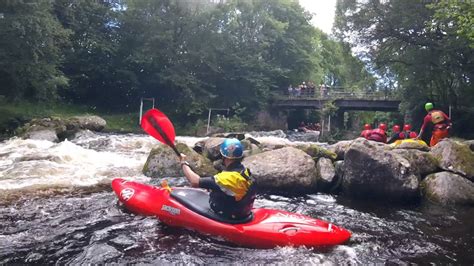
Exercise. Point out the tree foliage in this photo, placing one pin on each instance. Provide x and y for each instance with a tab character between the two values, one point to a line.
31	50
189	55
423	54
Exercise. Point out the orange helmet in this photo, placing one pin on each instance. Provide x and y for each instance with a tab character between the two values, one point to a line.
382	126
406	127
396	128
367	127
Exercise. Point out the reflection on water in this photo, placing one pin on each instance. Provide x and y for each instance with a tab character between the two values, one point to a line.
69	222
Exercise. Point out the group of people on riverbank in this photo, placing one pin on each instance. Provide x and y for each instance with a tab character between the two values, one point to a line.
437	119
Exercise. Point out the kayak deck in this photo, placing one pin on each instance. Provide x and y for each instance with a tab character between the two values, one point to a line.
267	228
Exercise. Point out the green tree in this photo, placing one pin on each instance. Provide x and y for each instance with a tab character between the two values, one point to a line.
96	74
195	56
31	50
406	44
455	17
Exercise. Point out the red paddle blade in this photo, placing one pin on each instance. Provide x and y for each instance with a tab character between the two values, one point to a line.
157	124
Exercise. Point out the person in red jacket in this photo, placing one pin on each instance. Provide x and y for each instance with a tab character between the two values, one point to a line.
379	134
366	132
440	121
395	134
407	133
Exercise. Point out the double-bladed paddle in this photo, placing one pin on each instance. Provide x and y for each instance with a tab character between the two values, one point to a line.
158	125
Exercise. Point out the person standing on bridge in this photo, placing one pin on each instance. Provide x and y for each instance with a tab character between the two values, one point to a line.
297	90
439	120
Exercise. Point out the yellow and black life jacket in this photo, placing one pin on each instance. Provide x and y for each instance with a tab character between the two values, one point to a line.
234	183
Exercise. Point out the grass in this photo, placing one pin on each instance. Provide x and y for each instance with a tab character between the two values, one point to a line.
13	115
126	122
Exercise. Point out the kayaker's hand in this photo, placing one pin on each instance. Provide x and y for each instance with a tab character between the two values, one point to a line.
182	158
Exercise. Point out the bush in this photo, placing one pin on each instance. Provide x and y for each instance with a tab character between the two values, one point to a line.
231	124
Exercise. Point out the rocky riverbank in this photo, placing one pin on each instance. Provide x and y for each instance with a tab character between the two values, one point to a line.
358	168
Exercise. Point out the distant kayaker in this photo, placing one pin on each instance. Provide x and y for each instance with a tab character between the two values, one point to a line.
395	134
379	134
440	121
366	132
407	133
232	191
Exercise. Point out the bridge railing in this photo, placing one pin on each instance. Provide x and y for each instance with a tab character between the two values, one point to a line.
316	94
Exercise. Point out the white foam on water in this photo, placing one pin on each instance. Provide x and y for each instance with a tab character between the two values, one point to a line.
350	253
323	198
35	163
90	159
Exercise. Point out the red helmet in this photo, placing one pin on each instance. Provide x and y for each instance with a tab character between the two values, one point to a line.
413	135
396	128
406	127
382	126
367	127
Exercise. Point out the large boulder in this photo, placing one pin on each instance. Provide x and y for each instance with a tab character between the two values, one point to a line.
454	156
90	122
162	162
423	163
250	148
211	147
448	188
339	170
42	134
316	151
470	143
45	128
371	171
285	169
325	175
340	148
272	143
64	128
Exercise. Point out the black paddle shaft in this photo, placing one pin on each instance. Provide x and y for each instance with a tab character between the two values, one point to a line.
163	135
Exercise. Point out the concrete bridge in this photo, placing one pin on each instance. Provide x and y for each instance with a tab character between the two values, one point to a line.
344	101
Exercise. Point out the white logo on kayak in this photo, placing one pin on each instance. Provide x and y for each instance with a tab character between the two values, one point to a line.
127	193
172	210
281	217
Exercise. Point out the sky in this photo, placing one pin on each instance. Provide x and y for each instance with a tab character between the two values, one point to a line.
323	13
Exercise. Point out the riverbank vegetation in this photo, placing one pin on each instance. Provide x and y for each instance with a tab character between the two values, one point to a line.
194	55
13	115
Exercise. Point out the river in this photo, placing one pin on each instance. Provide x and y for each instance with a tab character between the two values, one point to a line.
57	207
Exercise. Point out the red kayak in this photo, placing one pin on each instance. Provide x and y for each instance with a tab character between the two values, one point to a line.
189	208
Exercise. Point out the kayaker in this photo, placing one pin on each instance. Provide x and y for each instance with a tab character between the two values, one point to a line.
379	134
407	133
395	134
440	121
366	132
232	191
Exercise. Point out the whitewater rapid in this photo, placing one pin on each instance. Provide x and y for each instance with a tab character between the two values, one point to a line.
89	160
